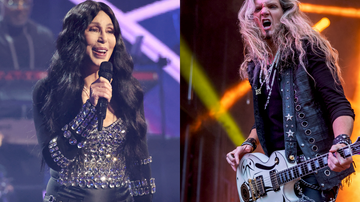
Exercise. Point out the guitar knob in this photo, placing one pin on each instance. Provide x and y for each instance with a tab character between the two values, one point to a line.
245	194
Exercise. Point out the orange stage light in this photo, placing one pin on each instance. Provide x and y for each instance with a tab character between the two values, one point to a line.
350	194
322	24
233	94
332	10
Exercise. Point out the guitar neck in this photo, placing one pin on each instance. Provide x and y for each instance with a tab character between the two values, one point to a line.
313	165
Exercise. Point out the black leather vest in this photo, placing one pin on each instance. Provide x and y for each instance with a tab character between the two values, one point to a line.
304	120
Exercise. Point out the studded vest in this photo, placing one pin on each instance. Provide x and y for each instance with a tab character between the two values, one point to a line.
303	120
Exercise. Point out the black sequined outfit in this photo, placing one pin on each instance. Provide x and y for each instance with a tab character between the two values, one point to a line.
87	164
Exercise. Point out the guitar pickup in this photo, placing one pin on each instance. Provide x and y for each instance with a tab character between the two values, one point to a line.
257	187
274	180
261	186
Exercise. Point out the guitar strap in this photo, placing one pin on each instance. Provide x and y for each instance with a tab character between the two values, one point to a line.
289	123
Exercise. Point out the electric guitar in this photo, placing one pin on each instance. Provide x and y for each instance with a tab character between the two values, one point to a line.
266	179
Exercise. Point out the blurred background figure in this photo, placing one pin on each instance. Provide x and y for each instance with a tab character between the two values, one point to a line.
24	44
26	48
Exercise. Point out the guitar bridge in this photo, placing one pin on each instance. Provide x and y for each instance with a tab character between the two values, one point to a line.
257	187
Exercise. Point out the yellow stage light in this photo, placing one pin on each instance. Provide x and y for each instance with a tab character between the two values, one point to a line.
206	93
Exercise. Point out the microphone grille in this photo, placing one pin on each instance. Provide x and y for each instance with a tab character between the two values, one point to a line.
106	70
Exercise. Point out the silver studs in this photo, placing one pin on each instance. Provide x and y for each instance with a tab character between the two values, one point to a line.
290	133
288	117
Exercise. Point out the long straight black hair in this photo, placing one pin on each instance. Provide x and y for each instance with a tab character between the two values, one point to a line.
65	82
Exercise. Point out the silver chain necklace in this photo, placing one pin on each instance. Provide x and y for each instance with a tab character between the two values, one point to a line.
267	78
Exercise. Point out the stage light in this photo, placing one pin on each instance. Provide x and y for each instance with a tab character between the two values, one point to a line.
234	94
350	192
332	10
322	24
204	90
152	10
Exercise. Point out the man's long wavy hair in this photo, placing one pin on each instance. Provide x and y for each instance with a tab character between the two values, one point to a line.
65	82
294	29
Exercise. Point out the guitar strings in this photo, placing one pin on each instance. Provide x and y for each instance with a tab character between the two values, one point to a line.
290	173
304	168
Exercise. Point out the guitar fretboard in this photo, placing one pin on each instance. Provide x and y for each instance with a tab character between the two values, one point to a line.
312	165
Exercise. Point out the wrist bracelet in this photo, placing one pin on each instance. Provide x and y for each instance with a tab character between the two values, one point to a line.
342	139
57	156
251	142
80	126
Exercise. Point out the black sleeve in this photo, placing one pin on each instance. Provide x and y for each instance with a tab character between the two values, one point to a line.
43	132
332	93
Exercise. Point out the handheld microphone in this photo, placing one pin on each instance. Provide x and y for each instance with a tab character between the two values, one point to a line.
106	70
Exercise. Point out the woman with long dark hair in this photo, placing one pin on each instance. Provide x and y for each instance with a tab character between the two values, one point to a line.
87	164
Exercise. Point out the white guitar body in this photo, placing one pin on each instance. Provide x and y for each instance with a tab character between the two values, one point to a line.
264	179
253	178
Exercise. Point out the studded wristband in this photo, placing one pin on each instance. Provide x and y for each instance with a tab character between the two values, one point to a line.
342	139
143	187
81	125
251	142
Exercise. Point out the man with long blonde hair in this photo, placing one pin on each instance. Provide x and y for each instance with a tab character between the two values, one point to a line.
299	103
